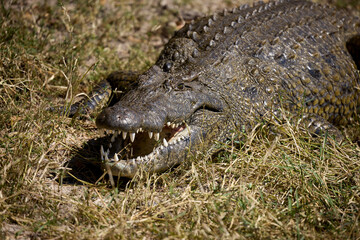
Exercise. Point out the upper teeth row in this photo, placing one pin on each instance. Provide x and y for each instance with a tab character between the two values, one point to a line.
115	133
172	125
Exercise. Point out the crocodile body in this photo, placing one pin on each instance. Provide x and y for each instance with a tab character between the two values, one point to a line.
229	71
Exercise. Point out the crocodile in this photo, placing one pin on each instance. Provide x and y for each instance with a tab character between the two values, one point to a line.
227	72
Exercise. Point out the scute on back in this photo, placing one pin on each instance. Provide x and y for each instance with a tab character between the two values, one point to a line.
293	48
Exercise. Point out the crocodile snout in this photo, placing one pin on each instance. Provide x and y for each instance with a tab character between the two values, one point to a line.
123	118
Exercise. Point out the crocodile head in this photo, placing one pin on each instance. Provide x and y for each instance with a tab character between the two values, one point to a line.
156	125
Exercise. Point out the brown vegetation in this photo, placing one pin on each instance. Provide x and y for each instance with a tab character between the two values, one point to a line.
281	185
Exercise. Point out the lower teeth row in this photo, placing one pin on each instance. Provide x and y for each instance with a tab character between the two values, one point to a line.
105	154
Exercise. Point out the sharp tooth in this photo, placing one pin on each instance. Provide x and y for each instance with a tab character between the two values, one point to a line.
116	133
168	124
173	125
107	151
140	129
116	158
150	134
137	131
156	136
161	147
165	142
132	137
113	138
138	158
106	157
124	134
102	153
110	145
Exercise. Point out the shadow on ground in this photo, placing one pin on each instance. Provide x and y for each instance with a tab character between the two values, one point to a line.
85	166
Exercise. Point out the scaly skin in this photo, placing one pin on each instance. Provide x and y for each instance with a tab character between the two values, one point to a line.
228	71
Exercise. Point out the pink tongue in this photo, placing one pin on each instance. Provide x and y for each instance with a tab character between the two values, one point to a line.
173	131
178	129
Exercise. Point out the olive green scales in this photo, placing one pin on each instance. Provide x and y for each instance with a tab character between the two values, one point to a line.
227	72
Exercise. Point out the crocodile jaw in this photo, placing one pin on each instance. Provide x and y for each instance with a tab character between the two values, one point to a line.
167	154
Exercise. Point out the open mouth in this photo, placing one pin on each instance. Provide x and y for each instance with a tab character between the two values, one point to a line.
141	146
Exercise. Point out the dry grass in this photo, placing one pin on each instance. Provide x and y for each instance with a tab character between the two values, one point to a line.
280	186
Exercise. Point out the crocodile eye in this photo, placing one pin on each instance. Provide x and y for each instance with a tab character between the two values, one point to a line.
167	66
181	86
